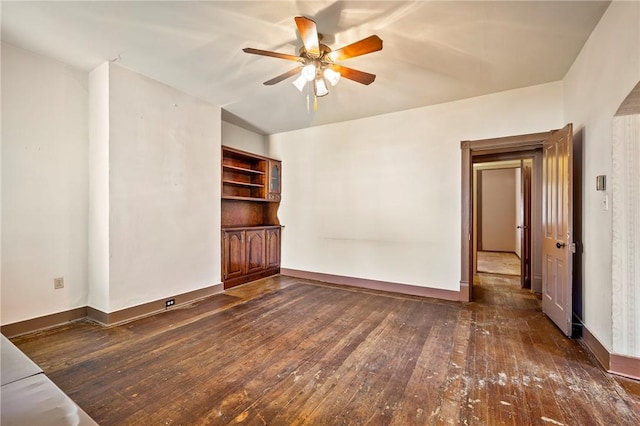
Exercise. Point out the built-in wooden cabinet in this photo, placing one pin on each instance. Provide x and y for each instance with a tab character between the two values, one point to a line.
251	231
249	254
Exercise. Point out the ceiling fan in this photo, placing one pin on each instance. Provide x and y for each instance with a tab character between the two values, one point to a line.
317	62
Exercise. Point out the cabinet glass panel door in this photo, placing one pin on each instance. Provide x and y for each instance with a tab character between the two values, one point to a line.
274	177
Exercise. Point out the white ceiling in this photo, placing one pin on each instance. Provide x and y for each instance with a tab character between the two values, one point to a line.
434	51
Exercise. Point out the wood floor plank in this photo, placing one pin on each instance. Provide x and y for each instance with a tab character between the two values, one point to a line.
313	371
497	262
426	385
305	350
286	351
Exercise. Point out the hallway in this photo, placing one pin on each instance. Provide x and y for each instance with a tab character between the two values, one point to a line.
498	262
498	282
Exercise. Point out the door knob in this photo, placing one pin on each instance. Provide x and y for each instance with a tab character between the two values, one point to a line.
560	245
521	226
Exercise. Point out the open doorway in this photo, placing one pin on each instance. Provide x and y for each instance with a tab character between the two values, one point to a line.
506	219
501	218
503	252
625	193
513	148
553	158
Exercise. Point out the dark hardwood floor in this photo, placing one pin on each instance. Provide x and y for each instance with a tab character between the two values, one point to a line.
284	351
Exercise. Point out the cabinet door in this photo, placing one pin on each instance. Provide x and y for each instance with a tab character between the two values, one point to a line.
233	260
273	248
275	180
255	251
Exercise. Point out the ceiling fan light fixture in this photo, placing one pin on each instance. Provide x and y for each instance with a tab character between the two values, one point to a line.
300	82
309	72
320	87
331	76
316	62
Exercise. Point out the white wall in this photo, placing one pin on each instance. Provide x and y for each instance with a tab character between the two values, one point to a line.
98	258
246	140
0	189
164	191
153	227
498	210
604	73
44	185
379	198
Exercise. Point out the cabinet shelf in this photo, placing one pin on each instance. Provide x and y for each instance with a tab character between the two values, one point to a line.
245	227
247	184
243	170
243	198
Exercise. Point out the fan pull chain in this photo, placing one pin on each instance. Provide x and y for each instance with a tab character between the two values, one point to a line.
307	103
315	103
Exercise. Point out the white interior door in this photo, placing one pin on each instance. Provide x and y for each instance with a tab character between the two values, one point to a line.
557	226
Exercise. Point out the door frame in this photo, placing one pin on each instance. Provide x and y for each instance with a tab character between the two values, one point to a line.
527	225
469	150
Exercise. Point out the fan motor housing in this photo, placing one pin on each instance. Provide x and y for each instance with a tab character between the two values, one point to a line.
324	49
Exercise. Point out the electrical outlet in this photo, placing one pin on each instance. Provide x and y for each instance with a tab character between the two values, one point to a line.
58	283
169	302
